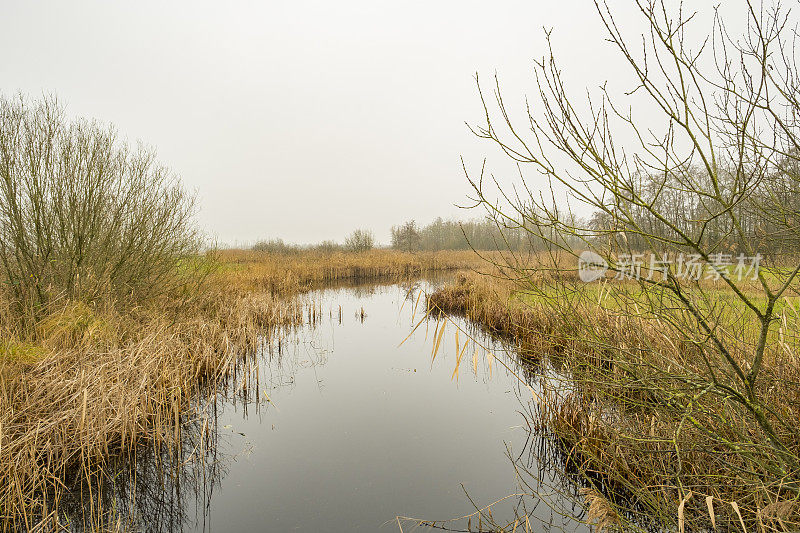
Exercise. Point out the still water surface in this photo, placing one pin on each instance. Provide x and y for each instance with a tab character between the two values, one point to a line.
352	428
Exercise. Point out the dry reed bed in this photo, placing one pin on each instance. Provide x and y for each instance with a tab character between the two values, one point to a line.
295	272
103	386
624	427
93	383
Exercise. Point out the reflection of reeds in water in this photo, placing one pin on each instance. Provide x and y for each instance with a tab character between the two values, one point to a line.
540	462
152	490
68	415
167	484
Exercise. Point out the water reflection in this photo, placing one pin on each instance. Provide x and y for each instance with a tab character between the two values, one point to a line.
161	489
337	426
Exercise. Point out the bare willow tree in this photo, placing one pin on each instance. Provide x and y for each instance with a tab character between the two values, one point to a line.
361	240
83	215
406	237
710	186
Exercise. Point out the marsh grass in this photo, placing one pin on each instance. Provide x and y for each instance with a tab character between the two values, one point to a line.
278	272
91	383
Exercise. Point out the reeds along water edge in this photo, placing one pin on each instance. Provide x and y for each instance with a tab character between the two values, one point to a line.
91	383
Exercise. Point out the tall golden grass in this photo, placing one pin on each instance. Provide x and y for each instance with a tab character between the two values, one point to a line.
91	383
289	273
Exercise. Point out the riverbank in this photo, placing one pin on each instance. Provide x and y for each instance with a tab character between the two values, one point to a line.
90	383
637	426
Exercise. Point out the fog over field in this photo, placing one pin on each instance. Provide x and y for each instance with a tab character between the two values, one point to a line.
299	119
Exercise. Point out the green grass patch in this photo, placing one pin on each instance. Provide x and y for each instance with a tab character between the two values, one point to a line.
21	352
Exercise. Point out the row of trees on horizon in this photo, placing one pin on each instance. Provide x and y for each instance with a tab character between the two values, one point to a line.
768	219
409	236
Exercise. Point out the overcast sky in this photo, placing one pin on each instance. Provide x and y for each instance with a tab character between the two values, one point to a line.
299	119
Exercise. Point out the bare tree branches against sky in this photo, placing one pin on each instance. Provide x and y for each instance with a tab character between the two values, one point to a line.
301	119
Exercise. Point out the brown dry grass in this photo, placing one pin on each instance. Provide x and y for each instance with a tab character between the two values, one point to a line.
294	272
91	383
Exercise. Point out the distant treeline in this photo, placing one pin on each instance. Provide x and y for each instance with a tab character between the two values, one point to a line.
462	235
438	235
278	246
359	240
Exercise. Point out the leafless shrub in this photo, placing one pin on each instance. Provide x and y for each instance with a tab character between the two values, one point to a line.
360	240
327	247
83	215
275	246
406	237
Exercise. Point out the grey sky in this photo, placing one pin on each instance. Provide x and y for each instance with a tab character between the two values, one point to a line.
300	120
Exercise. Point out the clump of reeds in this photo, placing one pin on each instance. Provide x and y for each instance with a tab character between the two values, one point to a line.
280	273
99	386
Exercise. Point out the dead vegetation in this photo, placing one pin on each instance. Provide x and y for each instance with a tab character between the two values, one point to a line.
292	272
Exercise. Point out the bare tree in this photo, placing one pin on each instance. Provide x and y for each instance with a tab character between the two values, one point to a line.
360	240
717	181
406	237
83	215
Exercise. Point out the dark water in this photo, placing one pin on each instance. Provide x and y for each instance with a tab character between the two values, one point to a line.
349	429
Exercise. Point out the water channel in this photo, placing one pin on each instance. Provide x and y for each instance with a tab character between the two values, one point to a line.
344	426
